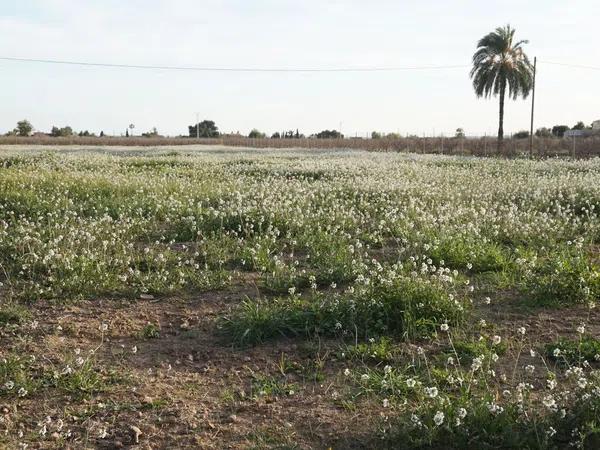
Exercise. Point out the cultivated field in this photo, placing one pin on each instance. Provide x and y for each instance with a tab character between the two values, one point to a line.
471	146
243	298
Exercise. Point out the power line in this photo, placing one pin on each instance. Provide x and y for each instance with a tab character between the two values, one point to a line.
231	69
576	66
262	69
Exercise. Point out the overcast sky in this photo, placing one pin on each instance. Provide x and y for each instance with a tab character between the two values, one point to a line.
287	34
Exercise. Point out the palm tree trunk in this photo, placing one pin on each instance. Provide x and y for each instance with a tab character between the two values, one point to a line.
501	120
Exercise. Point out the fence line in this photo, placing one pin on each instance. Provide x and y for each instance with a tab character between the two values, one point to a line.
482	146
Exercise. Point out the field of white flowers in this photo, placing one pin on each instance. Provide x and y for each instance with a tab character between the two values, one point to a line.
190	298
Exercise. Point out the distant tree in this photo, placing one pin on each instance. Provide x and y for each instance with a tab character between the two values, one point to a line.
85	133
207	129
579	126
60	132
500	63
523	134
126	132
393	136
102	134
543	132
24	128
255	134
559	130
329	134
276	135
460	133
375	135
291	134
152	133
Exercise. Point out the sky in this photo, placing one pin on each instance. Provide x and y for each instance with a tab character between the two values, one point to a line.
287	34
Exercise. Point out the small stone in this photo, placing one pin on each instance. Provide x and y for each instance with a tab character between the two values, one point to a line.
233	418
147	296
55	436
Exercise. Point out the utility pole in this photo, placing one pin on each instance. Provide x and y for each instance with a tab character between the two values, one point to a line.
532	109
197	125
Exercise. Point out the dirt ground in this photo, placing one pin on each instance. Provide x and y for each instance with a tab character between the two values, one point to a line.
184	386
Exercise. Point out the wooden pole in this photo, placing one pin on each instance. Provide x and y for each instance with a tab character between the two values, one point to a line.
532	109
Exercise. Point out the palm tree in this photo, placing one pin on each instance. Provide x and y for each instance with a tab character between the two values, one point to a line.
498	63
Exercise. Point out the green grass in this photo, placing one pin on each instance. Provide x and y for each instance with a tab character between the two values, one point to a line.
151	331
571	352
13	314
407	307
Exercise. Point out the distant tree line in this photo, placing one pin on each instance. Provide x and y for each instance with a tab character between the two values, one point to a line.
208	129
556	131
25	128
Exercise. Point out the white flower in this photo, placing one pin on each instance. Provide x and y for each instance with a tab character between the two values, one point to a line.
431	392
581	329
415	420
462	413
438	419
549	402
410	382
529	368
476	364
444	327
521	330
347	372
495	409
556	352
496	340
582	383
387	369
386	403
364	377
